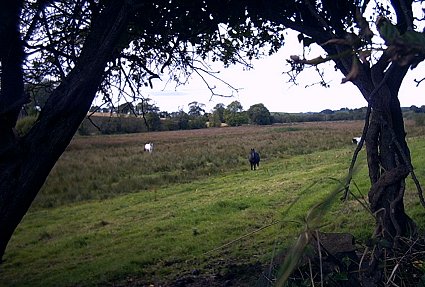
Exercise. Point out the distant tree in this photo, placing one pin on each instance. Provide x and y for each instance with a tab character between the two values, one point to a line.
146	107
198	122
219	109
327	112
259	114
415	109
196	109
150	114
197	116
125	108
152	121
234	114
164	114
236	119
214	120
217	115
234	107
182	120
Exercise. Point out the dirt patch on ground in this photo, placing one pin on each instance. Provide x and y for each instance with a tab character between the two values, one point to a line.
217	275
232	275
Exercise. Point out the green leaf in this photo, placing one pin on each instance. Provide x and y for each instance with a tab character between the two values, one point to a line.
341	276
347	261
414	38
293	257
387	30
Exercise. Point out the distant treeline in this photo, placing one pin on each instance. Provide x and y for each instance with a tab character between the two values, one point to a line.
118	123
145	116
325	115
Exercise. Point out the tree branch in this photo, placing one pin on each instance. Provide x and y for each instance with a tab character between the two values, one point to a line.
55	54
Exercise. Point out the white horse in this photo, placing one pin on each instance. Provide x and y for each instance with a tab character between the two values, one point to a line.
356	140
148	147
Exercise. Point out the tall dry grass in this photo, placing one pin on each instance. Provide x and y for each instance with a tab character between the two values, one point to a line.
96	167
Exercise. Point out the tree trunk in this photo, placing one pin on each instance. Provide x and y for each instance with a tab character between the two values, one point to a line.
389	164
11	100
388	156
27	161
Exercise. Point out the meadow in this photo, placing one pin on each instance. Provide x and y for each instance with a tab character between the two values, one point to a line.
192	211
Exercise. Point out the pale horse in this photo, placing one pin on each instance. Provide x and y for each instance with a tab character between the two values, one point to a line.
148	147
356	140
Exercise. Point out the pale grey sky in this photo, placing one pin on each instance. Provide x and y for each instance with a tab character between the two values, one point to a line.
267	84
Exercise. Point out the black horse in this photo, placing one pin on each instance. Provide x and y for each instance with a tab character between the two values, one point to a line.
254	159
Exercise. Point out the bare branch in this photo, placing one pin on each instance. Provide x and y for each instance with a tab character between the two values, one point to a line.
57	62
198	71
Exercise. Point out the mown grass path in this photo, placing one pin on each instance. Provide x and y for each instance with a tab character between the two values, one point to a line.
178	229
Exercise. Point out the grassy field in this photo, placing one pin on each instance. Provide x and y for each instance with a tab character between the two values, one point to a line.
112	215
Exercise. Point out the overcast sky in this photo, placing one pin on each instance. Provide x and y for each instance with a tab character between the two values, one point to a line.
267	84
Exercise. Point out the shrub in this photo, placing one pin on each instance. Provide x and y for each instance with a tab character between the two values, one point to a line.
419	119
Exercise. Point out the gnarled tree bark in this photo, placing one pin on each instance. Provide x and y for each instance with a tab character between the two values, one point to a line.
388	154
